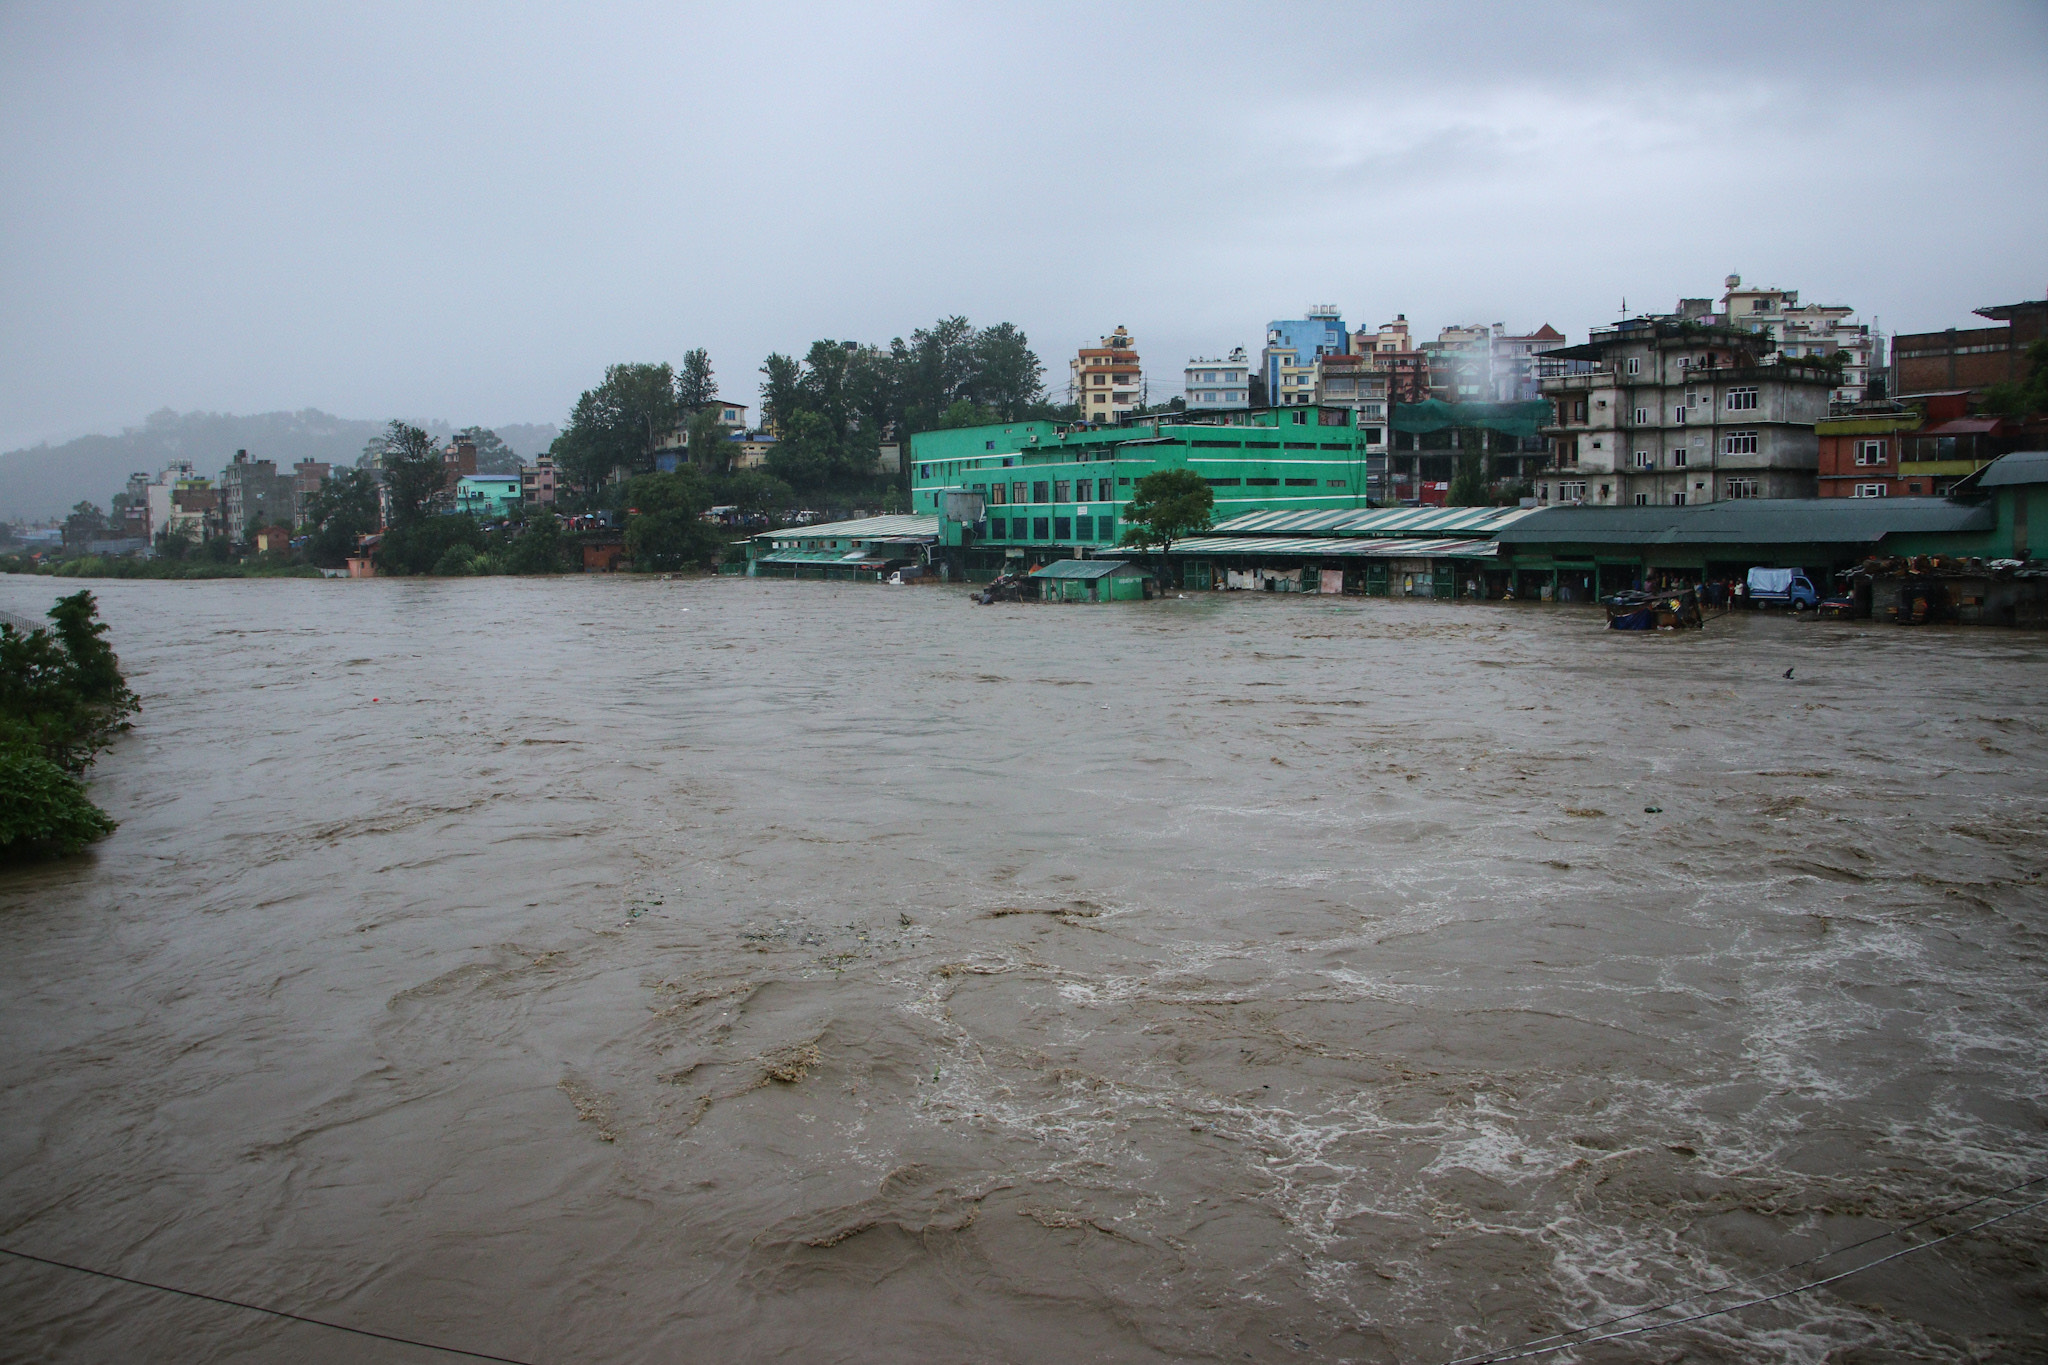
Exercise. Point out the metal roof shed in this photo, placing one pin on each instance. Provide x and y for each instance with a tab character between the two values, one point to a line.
1092	580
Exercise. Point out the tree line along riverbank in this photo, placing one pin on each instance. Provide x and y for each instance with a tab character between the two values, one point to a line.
62	700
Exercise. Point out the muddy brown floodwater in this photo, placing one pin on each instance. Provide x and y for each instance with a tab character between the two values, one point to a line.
620	970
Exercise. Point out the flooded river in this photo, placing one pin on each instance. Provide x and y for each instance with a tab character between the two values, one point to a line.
618	970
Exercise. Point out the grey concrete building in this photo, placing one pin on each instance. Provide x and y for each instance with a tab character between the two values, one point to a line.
253	491
1676	413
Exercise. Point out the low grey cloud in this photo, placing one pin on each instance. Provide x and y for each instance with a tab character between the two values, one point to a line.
468	211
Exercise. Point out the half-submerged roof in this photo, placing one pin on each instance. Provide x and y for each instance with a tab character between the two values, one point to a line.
1081	568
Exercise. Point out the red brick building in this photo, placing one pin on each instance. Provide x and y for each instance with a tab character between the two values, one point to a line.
1890	449
1969	359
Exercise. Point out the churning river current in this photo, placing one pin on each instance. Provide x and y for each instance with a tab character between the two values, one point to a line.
621	970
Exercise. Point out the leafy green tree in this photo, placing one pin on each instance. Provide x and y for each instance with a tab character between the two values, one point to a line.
86	523
664	527
342	510
1006	376
615	425
62	695
415	475
1468	477
175	542
695	384
419	546
2020	398
539	548
805	456
965	413
752	490
1166	505
708	445
782	390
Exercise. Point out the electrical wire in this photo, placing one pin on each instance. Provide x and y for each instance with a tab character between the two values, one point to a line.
259	1308
1556	1342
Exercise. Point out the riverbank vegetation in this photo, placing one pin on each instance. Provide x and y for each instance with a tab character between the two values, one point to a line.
62	701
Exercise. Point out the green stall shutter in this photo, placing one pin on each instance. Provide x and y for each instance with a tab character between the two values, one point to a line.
1376	579
1445	579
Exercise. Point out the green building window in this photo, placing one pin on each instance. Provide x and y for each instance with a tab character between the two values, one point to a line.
1084	528
1301	483
998	529
1062	491
1038	491
1062	528
1017	491
1103	493
1041	529
1261	483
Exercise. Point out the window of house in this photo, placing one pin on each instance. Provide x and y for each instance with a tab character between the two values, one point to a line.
1741	488
1739	443
1084	528
1261	483
1678	414
1567	492
1017	491
1741	400
1373	435
996	495
998	529
1643	460
1642	499
1678	459
924	471
1124	481
1642	417
1870	452
988	445
1605	490
1301	483
1041	528
1061	489
1062	528
1678	499
1333	483
1039	491
1635	364
1579	410
1872	490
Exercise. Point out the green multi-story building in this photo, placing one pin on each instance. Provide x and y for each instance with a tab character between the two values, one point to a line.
1037	489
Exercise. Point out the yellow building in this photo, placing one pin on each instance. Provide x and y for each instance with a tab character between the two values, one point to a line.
1108	383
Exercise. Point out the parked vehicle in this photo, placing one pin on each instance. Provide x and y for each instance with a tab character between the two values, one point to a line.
1782	587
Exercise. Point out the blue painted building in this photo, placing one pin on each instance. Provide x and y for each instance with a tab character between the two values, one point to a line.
1288	361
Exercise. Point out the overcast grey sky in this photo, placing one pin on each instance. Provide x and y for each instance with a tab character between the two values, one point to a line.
466	212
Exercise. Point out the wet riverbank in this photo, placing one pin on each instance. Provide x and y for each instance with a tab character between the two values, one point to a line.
611	969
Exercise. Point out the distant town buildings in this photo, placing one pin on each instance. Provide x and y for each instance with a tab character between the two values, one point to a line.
1219	385
1293	345
1108	382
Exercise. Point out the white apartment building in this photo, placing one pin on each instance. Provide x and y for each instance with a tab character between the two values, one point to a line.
1108	383
1677	413
1219	385
1799	331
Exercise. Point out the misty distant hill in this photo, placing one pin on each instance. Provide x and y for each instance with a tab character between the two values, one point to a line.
46	480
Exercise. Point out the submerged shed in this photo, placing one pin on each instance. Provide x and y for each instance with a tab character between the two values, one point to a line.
1092	580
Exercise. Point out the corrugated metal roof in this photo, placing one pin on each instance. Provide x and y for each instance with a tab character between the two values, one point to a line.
1080	568
1396	547
1376	521
1749	521
2022	466
896	526
854	557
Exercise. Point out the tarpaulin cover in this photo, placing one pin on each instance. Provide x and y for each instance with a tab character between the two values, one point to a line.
1509	419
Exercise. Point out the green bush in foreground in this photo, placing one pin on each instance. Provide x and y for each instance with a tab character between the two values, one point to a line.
62	700
44	812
